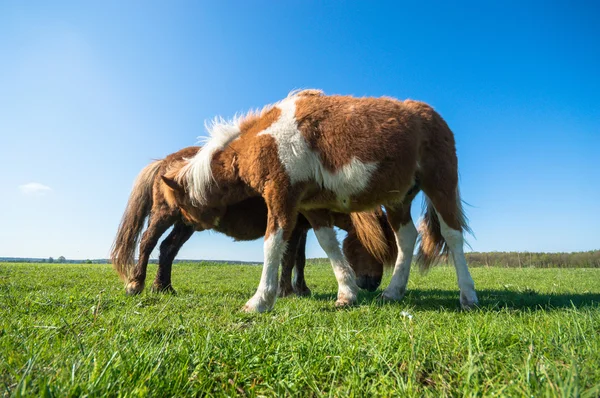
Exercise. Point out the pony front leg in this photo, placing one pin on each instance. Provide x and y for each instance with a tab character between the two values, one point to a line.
168	250
281	220
406	236
347	287
266	294
299	281
137	279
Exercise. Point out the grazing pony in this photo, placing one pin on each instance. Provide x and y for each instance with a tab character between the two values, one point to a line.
314	154
154	199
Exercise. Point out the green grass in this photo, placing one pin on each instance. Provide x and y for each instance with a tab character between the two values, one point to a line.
69	330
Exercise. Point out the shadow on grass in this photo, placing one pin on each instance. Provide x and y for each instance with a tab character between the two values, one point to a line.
489	300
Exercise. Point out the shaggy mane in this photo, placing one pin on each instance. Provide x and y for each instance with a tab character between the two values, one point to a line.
197	175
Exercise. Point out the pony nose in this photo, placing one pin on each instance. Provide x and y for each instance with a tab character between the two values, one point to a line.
367	282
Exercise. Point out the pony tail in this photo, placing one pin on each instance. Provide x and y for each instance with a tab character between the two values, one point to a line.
432	246
132	222
370	233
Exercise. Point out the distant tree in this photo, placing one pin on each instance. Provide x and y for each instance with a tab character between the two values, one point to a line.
50	260
88	261
62	259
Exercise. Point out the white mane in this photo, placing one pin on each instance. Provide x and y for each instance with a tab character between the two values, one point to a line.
197	172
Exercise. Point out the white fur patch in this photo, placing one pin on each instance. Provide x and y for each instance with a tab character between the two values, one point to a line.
197	172
264	298
274	249
302	164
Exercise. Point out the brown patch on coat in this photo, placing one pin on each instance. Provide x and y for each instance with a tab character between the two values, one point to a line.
254	124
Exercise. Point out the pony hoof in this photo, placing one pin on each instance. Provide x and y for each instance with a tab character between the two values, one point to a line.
303	292
345	300
391	297
256	305
248	308
286	291
344	303
163	289
468	300
133	288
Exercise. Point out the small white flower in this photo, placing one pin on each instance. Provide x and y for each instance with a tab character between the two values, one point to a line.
406	315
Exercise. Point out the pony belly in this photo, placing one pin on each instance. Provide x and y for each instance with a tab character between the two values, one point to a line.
326	199
380	195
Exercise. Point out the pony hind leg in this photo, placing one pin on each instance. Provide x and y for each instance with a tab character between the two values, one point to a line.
444	221
406	237
322	223
442	229
157	226
168	251
451	228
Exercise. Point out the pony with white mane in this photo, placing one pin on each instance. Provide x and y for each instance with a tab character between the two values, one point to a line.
316	154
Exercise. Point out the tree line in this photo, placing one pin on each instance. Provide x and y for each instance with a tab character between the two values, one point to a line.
589	259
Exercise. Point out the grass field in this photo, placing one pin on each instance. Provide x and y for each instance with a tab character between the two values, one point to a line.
68	330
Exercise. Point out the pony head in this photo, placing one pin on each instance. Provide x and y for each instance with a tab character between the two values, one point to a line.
205	217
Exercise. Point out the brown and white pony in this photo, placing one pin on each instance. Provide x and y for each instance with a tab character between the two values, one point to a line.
313	154
151	198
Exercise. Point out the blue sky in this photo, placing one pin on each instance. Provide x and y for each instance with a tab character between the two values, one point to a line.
90	92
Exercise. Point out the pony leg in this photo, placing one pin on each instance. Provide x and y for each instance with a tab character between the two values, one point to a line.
265	296
149	240
455	241
347	287
281	221
299	283
168	250
406	237
444	220
287	264
448	212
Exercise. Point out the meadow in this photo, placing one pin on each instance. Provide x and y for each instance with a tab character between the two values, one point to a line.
69	330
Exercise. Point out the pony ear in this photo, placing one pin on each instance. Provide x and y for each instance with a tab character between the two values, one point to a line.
171	183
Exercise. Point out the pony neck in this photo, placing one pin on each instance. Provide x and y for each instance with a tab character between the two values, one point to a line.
228	187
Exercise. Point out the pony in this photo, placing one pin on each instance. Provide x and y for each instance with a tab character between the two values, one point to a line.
315	154
367	245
